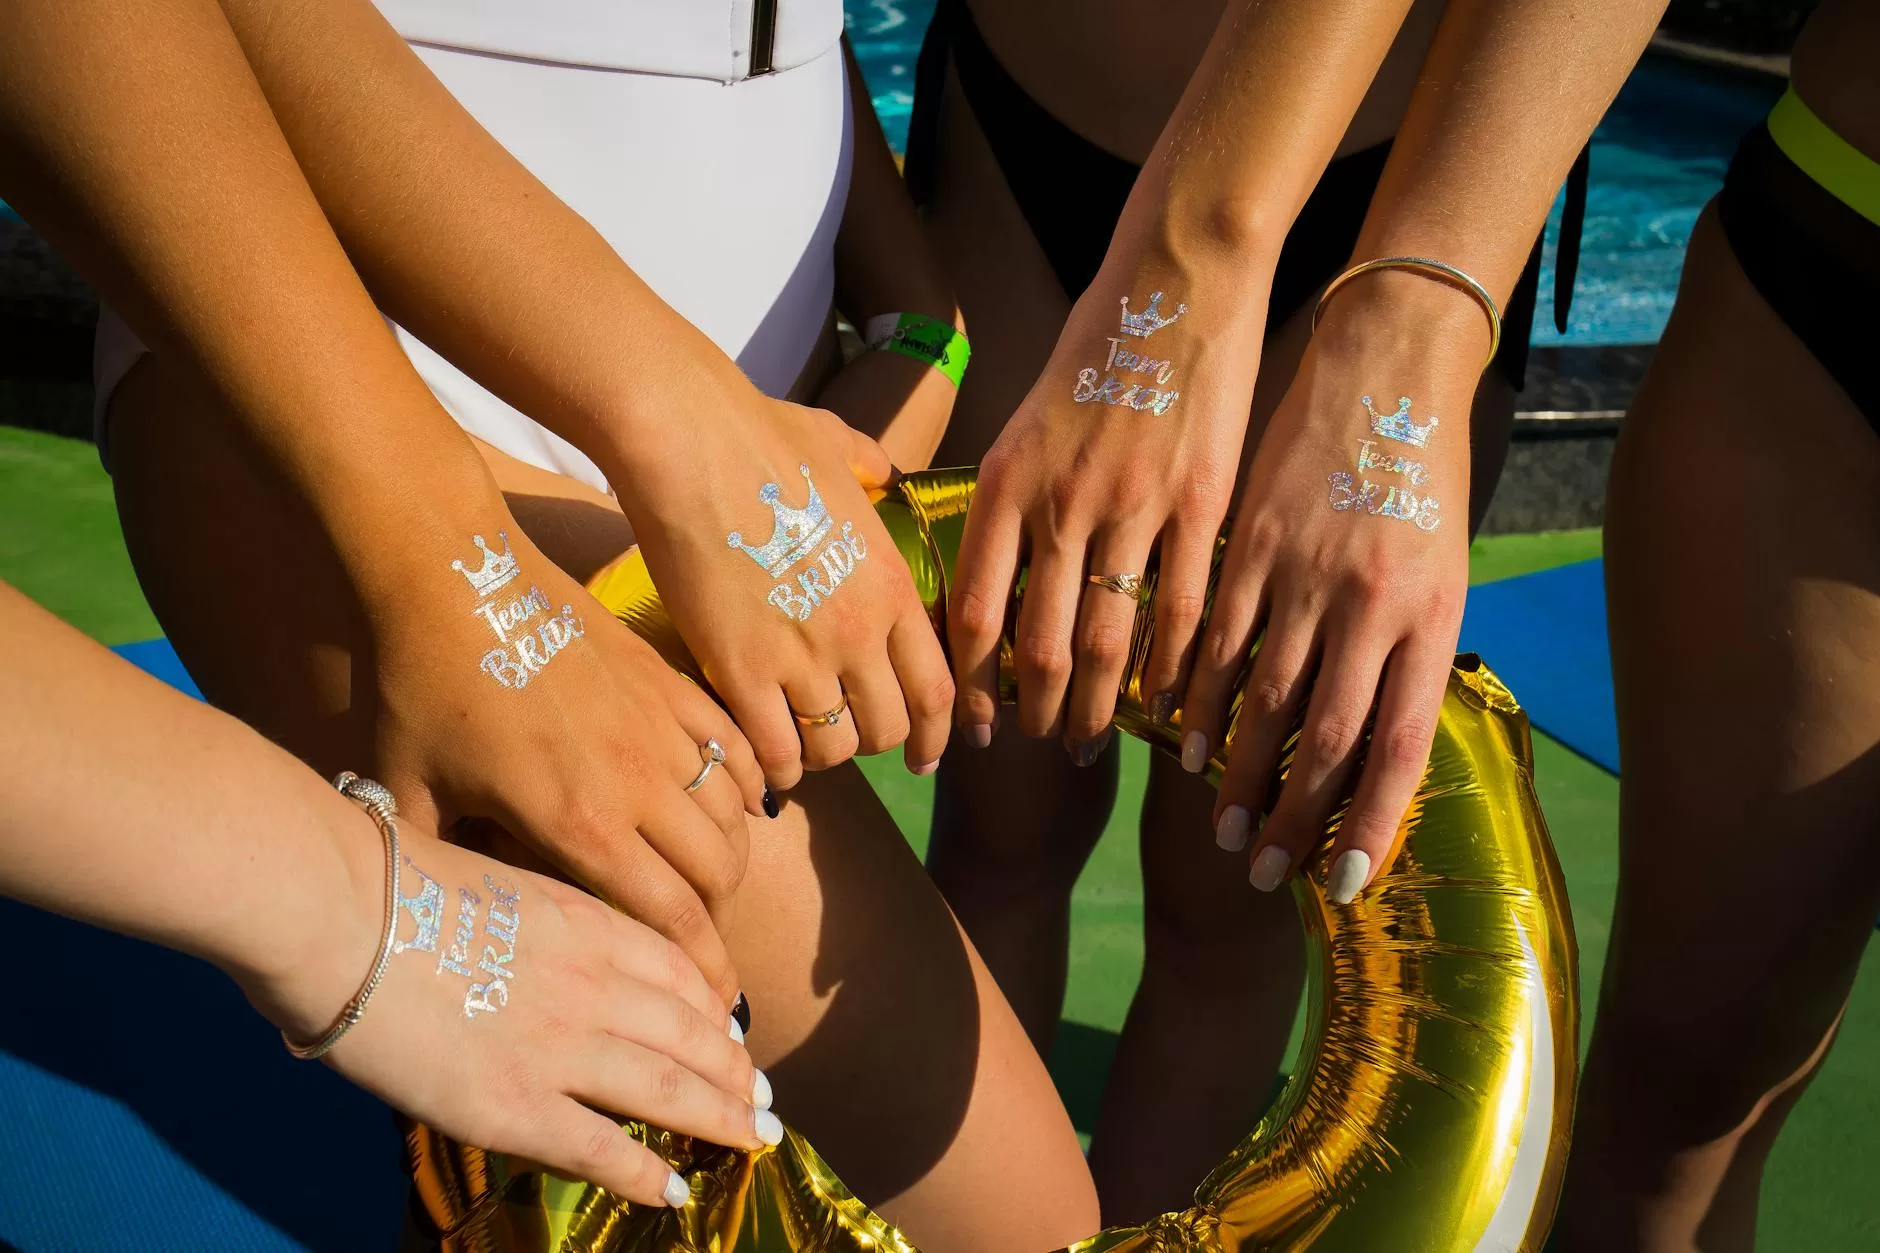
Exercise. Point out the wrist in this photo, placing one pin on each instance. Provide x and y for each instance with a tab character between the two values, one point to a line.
651	410
1401	315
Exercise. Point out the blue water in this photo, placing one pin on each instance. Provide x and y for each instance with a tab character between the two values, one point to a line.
1657	158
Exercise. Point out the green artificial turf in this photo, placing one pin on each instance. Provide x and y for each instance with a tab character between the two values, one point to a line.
59	543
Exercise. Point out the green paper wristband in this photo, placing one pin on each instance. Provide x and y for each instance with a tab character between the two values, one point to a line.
927	339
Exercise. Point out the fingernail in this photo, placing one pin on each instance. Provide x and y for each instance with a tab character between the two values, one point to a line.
677	1193
760	1090
769	1128
1231	831
771	808
980	733
921	772
1270	867
1349	872
737	1032
741	1013
1194	752
1161	708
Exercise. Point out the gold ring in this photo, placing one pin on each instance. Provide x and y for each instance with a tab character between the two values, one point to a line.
1129	585
712	753
830	719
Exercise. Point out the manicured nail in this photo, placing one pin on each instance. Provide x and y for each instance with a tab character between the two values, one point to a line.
1231	831
760	1089
737	1032
1194	752
1270	867
677	1192
921	772
1349	872
741	1013
980	733
771	807
1161	708
769	1128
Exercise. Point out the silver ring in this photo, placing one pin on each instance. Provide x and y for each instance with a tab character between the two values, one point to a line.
712	753
1129	585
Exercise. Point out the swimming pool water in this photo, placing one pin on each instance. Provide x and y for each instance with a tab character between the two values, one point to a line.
1657	158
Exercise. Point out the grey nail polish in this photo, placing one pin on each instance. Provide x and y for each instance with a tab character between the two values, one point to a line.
980	733
1269	868
1231	831
1349	872
1161	708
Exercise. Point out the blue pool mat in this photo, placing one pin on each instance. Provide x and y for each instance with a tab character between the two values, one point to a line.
144	1105
1545	635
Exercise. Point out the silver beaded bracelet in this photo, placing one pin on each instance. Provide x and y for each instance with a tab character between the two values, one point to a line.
380	804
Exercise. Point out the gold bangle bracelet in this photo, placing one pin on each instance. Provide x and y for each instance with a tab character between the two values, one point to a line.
1442	272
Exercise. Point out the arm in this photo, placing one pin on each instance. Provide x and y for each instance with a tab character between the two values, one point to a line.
1128	444
431	210
1510	91
136	139
884	264
176	824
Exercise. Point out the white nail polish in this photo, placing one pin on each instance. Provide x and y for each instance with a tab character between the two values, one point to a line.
1269	868
677	1193
1230	832
760	1090
737	1032
769	1128
1194	752
921	772
1349	872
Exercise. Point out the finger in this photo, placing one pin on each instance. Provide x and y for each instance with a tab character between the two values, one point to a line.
867	460
1041	648
645	956
926	689
875	705
1221	655
976	604
1106	626
1326	753
825	723
689	841
665	1024
575	1141
1414	681
1180	597
635	1082
1269	710
703	720
763	715
626	872
697	766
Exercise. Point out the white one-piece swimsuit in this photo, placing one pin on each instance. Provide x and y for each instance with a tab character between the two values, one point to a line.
719	186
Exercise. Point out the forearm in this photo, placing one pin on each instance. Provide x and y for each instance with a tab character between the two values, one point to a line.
134	137
132	807
464	247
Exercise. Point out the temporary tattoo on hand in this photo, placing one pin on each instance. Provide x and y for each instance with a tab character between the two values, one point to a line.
1364	496
500	925
1112	390
797	534
523	653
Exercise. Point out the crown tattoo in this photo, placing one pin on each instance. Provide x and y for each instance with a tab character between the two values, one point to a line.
798	530
1398	425
1150	320
496	571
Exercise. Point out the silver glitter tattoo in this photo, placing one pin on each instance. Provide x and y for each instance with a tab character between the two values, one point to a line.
795	538
1359	495
426	907
501	924
526	629
1150	393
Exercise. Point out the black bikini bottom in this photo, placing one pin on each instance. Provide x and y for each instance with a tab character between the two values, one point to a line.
1072	192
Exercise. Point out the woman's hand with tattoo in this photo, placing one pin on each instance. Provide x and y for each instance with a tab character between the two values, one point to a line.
514	1008
1126	446
504	691
1349	562
783	582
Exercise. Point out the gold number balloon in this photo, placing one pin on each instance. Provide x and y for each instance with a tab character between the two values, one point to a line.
1430	1108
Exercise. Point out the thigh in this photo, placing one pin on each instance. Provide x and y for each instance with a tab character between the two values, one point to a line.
1743	572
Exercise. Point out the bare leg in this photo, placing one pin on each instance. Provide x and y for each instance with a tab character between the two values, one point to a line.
887	1042
1743	575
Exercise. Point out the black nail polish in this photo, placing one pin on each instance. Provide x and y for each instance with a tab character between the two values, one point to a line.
1161	708
1086	752
771	808
741	1013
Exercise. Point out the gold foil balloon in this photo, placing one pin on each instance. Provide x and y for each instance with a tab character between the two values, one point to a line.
1428	1113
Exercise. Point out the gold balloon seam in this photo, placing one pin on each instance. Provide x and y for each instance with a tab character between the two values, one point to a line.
1432	1100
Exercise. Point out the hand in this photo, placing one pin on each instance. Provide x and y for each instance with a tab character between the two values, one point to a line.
1124	440
522	700
825	621
1350	551
902	402
567	1008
